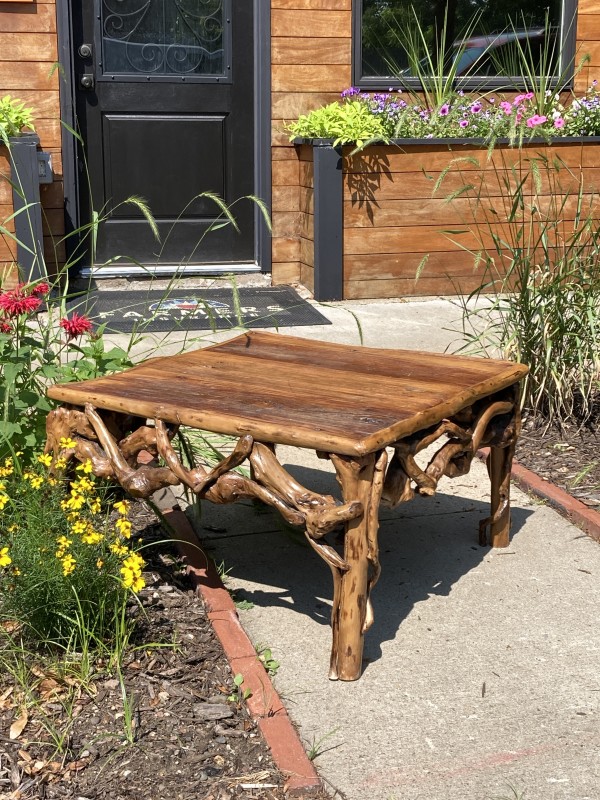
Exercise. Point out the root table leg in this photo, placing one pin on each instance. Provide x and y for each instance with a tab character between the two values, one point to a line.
350	605
499	466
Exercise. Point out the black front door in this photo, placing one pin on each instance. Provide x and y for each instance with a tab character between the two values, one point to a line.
164	102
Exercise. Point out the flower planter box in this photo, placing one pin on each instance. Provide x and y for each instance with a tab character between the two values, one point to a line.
369	218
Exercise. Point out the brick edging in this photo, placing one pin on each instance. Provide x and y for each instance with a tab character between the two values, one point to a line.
574	510
264	704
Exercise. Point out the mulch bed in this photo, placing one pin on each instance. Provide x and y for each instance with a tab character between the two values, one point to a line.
568	457
190	740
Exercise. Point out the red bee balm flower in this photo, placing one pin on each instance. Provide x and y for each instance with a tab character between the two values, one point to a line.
15	303
5	327
76	325
40	289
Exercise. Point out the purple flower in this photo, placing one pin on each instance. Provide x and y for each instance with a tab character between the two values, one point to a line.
476	107
559	122
506	107
444	110
350	92
463	123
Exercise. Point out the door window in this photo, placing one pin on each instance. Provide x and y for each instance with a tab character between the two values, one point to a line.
164	37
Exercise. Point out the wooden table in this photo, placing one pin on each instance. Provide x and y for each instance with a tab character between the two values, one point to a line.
349	403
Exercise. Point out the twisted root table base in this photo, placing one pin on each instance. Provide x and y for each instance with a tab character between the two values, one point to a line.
112	442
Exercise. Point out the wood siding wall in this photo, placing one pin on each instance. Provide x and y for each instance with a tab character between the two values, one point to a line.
28	51
311	42
311	54
392	219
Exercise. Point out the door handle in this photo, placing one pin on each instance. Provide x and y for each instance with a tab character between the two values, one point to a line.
87	82
85	51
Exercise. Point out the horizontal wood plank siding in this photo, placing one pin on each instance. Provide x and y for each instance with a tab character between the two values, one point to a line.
402	237
311	43
28	56
588	42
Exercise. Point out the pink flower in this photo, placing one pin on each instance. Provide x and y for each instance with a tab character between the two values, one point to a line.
536	119
15	302
463	123
559	122
528	96
476	108
444	110
5	327
506	107
75	325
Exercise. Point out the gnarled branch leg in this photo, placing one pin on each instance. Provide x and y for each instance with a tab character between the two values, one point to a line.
356	477
499	463
372	531
141	482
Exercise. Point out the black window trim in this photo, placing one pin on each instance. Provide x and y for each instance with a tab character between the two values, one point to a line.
474	84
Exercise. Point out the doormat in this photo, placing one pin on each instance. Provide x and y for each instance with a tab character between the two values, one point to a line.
197	309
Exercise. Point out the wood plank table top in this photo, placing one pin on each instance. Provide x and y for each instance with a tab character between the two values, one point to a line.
344	399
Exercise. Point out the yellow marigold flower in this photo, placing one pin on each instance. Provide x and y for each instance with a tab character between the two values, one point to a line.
4	498
79	527
68	564
66	443
45	459
75	502
85	466
52	481
138	584
99	563
5	559
92	537
37	481
119	549
63	545
96	506
16	571
60	463
82	485
7	469
124	527
122	506
13	528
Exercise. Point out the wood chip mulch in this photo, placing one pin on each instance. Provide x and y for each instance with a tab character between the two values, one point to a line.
568	457
189	739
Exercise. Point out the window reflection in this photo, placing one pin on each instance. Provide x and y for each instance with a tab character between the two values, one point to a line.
488	49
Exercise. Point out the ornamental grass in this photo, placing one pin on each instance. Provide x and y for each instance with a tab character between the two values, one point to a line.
67	561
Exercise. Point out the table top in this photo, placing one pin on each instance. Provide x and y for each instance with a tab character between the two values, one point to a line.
337	398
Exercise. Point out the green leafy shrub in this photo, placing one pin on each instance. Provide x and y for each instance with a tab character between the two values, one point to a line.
14	117
349	122
64	570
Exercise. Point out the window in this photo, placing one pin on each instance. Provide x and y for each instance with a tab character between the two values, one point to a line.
484	36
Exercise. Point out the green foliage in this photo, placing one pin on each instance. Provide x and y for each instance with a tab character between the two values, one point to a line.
65	572
38	349
14	117
349	122
538	250
265	656
238	695
433	62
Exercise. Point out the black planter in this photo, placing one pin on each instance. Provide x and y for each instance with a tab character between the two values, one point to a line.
23	156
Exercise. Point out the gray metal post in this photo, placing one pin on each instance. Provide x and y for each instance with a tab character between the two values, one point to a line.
26	195
329	222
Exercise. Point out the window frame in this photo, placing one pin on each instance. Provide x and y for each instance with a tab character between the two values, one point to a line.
471	84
